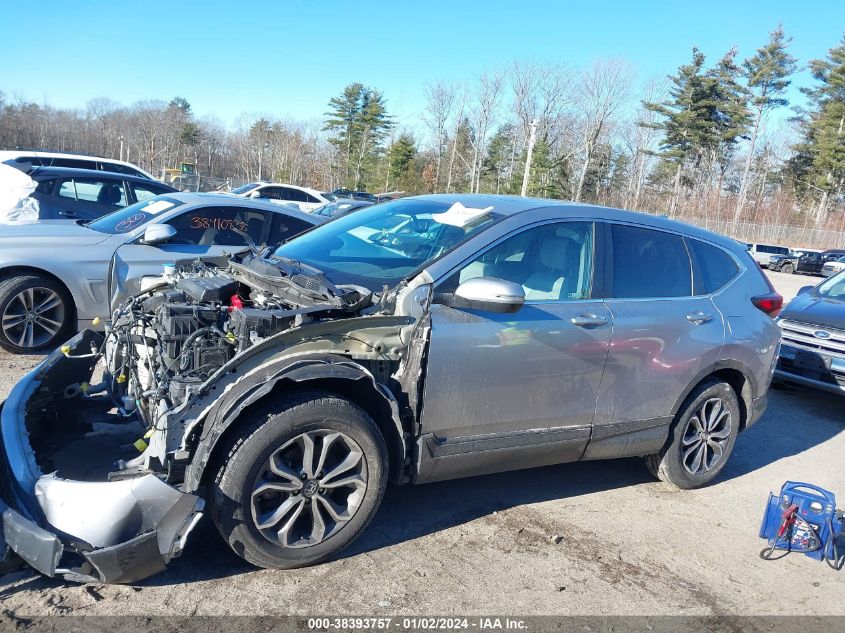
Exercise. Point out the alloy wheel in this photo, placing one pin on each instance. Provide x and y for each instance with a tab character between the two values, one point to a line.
706	437
309	488
33	317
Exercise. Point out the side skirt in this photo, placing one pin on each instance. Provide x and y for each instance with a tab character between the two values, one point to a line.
437	459
628	439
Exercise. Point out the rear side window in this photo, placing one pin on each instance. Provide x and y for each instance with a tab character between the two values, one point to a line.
145	191
294	195
75	163
713	267
117	168
648	264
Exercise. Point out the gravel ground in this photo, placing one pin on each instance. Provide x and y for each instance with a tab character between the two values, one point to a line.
588	538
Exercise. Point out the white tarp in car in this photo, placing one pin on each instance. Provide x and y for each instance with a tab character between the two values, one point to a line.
15	203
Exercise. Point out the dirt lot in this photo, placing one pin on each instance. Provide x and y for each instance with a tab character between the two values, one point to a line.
630	545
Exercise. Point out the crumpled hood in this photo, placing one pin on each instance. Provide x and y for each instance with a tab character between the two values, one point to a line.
812	308
50	232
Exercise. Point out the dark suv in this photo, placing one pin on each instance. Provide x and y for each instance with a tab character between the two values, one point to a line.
87	194
814	262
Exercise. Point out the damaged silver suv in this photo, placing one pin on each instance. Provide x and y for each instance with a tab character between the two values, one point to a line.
418	340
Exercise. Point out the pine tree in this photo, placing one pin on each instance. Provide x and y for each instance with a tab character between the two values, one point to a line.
687	121
766	77
729	107
826	128
401	158
360	123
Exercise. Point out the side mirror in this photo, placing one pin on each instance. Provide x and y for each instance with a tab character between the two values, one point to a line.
254	194
158	233
805	290
489	294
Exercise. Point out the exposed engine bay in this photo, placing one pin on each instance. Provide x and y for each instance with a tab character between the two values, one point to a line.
165	343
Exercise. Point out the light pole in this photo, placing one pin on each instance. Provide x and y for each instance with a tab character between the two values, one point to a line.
120	138
527	173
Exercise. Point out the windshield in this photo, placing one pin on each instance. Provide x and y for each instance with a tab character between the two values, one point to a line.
385	243
244	188
833	288
131	217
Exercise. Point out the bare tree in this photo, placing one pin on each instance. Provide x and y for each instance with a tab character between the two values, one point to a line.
602	90
440	100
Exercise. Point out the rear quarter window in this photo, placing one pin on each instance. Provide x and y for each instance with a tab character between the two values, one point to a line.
713	269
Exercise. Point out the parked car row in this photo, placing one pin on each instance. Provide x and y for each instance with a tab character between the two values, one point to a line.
58	276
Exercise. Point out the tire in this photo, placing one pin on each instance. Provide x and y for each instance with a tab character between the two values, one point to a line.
244	503
37	331
669	464
788	269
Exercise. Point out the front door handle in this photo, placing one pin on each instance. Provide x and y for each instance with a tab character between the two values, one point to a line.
67	214
588	320
699	317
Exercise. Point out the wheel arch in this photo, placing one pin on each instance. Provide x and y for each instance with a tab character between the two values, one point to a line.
11	272
331	373
733	373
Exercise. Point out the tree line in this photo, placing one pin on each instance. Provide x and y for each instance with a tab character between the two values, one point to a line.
715	139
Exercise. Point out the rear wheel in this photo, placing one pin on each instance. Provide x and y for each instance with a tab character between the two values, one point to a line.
701	438
788	268
301	481
35	314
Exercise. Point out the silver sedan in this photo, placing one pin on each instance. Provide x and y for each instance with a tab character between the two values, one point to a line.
57	276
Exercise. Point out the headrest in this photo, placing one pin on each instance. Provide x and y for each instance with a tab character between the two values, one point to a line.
554	252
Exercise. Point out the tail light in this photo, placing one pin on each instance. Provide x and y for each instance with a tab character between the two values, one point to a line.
771	303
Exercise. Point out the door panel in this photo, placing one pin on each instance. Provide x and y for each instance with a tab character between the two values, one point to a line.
663	337
658	347
514	390
490	373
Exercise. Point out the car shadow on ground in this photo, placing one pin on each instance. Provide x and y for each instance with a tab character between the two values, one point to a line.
411	512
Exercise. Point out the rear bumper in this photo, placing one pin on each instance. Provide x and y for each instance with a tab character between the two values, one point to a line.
105	531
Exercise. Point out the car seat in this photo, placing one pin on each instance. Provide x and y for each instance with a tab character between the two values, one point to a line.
554	260
109	194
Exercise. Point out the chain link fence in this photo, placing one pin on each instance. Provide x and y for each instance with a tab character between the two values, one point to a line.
193	182
782	235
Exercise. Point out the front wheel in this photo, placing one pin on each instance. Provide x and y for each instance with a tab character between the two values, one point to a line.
36	313
301	481
788	268
701	439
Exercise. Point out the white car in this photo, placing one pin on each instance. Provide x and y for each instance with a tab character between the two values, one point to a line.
833	267
26	159
762	253
302	198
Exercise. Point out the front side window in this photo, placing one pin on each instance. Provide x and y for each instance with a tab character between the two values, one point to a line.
106	192
552	262
270	193
244	188
284	228
218	226
648	264
385	243
714	267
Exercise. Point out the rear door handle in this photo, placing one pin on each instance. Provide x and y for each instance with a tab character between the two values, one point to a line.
67	214
588	320
699	317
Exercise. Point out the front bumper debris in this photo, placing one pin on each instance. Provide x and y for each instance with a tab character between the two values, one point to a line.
99	531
